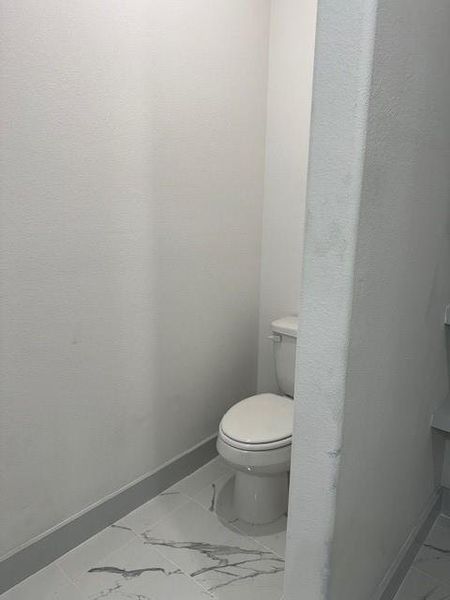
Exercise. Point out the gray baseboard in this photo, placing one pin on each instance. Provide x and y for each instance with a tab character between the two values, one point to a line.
445	502
396	574
44	551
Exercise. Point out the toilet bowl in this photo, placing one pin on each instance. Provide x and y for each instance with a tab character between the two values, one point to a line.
255	438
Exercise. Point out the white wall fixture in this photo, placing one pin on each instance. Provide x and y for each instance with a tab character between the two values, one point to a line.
255	437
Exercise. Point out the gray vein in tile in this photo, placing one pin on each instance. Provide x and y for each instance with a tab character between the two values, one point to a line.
240	563
224	564
216	552
107	592
254	573
115	526
213	499
441	550
429	594
133	572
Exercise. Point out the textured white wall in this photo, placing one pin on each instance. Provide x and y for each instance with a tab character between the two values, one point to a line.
292	33
342	72
132	161
382	385
397	362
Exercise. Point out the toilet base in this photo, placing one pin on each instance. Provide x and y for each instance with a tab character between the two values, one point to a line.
260	499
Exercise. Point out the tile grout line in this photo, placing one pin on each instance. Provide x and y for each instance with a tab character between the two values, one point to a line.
135	536
72	583
446	584
442	516
436	526
267	548
166	516
199	585
171	560
139	534
185	495
108	553
260	544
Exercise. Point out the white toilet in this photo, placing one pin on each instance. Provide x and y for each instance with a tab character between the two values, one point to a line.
255	437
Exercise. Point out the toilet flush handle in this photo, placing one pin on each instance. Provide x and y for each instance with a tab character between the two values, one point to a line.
276	339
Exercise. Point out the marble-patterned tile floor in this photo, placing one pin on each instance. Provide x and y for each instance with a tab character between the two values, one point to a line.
429	576
185	544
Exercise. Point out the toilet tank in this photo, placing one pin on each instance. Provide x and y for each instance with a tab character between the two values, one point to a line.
284	344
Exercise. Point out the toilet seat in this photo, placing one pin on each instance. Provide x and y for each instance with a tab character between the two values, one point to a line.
261	422
256	447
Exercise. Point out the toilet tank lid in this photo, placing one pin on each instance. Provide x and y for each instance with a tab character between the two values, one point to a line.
286	326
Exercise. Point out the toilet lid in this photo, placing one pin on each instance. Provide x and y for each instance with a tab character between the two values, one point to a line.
260	419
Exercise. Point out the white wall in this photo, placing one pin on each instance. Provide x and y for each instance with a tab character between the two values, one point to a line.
342	72
132	161
398	371
391	368
292	33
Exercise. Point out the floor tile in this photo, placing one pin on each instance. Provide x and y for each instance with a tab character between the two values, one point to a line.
77	561
48	584
221	559
443	522
218	498
434	556
209	495
138	572
419	586
201	478
153	511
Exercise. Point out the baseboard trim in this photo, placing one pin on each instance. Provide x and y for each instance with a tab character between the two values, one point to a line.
445	501
42	551
397	572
